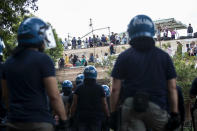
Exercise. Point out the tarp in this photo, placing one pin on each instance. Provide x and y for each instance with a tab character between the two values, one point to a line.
170	23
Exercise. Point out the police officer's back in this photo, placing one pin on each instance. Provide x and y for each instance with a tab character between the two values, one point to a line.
89	99
29	77
148	76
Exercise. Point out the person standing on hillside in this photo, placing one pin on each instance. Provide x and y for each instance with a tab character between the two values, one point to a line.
179	48
112	38
86	43
66	59
103	40
74	43
173	33
79	43
90	40
83	61
124	39
66	44
189	30
158	33
111	49
165	32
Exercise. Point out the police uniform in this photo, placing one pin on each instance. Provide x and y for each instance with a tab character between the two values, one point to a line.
27	95
89	97
89	108
146	72
67	87
24	73
105	126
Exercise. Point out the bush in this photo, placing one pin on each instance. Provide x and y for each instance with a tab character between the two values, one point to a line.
186	72
166	45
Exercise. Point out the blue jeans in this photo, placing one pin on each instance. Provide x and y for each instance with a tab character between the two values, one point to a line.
82	126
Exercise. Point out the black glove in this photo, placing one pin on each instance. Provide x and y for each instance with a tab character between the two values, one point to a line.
113	120
174	121
63	124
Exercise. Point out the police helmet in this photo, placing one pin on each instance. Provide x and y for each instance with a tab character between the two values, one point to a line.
90	72
33	32
107	90
141	26
67	85
79	79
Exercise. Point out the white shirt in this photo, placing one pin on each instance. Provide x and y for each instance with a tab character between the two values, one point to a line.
65	43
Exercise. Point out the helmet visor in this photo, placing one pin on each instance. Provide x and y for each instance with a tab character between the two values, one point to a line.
49	40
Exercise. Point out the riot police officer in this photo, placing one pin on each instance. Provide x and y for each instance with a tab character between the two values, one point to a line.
29	77
67	96
105	123
79	79
149	79
89	100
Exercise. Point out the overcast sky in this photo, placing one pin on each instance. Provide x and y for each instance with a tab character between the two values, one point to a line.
73	16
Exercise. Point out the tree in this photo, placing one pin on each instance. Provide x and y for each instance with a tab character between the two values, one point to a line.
10	39
186	72
11	11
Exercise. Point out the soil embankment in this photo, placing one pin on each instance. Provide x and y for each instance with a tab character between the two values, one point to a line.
71	73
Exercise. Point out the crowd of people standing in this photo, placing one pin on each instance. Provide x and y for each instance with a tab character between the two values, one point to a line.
96	41
174	33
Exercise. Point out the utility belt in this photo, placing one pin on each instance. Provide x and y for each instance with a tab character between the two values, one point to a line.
141	98
141	102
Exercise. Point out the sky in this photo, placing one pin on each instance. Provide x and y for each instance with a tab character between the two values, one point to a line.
73	16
